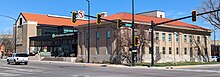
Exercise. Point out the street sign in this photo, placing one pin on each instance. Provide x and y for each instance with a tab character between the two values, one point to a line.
128	25
81	14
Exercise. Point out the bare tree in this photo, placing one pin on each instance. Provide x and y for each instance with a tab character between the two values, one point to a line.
212	18
200	50
125	42
7	41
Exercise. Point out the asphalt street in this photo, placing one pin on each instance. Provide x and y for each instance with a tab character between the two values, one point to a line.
59	69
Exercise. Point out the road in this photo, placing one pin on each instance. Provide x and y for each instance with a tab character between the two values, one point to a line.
54	69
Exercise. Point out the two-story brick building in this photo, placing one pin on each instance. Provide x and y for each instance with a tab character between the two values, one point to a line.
174	42
54	34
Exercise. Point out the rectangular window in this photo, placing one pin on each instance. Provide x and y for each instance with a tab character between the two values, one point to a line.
157	48
164	50
97	35
108	44
170	37
177	50
108	33
157	36
149	50
97	38
190	38
177	38
170	50
198	39
20	23
191	52
184	38
205	40
163	36
97	49
185	50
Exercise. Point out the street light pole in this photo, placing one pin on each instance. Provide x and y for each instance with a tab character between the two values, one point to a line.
88	48
15	30
133	48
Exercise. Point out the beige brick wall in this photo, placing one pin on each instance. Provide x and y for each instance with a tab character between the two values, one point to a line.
164	57
28	30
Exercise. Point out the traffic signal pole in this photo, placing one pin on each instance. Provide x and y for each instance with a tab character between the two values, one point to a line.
185	17
152	43
153	25
88	38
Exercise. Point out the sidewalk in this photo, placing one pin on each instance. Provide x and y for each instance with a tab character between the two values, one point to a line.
123	66
97	65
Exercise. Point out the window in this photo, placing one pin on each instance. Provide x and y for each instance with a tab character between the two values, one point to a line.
205	40
108	44
157	48
170	37
163	36
49	31
157	36
108	33
198	39
97	38
161	16
185	50
191	52
97	49
184	38
217	48
170	50
190	38
97	35
164	50
177	38
20	22
150	50
177	50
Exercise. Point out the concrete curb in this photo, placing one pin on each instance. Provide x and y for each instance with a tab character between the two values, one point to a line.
193	66
123	66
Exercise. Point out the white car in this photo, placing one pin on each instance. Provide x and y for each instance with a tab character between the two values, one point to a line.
18	58
215	58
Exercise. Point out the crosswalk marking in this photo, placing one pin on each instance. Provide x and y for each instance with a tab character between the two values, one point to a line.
8	71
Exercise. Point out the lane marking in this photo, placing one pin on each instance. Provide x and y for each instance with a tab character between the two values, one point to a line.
205	71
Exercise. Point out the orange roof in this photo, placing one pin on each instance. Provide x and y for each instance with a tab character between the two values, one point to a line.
62	21
148	19
51	20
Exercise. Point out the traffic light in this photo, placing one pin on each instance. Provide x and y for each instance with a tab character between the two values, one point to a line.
98	19
119	23
194	13
136	39
73	16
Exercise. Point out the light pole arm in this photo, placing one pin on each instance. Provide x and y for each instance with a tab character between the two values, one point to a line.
8	17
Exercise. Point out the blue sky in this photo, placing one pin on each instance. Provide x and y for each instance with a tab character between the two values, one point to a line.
173	8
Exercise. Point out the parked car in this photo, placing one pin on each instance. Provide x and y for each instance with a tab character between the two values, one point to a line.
18	58
215	58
